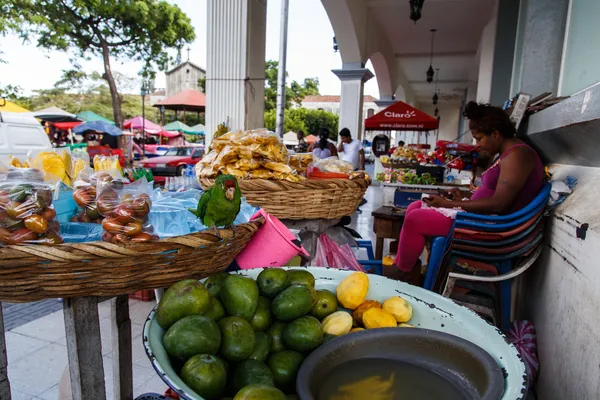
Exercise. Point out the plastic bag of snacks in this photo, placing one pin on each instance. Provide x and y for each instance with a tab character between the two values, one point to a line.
109	164
85	193
255	154
26	212
125	208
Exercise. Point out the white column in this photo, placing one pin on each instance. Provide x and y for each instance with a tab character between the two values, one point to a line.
351	101
235	71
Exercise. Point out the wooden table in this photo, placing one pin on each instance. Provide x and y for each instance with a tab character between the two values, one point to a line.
82	330
386	225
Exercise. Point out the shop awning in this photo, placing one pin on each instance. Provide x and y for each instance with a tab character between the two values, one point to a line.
90	116
311	138
188	100
401	117
66	125
9	106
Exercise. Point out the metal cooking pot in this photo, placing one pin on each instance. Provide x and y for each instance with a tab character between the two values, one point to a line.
468	367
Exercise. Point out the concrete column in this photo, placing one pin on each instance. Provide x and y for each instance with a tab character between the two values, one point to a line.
351	101
235	71
384	102
545	22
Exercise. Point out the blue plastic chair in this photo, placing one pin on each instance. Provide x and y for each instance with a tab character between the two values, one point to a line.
441	246
371	265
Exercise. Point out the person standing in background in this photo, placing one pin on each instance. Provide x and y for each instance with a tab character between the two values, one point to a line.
302	146
352	149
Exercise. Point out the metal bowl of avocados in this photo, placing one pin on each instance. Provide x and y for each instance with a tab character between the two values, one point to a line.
449	364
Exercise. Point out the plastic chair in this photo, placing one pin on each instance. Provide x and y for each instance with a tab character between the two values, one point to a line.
371	265
486	226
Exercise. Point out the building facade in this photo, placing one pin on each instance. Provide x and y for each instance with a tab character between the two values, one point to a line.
185	76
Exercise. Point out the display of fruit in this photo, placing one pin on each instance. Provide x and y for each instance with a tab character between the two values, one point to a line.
400	309
26	214
250	337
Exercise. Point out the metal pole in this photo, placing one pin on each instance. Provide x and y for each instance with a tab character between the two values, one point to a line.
282	67
144	126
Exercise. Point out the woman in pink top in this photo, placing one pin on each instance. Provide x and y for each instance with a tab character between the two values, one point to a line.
509	184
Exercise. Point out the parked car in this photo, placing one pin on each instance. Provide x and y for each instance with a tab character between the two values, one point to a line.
21	135
174	162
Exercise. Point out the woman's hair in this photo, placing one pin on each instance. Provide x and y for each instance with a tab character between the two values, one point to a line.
345	132
323	135
486	119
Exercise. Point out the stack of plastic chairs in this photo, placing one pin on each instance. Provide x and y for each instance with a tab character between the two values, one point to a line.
483	253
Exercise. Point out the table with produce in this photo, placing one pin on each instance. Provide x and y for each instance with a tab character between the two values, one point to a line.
72	231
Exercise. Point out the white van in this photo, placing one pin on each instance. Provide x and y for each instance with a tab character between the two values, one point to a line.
21	135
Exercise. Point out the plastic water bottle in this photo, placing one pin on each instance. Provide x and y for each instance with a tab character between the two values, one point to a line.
190	177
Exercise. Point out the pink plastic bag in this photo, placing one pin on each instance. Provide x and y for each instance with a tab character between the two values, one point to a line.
330	254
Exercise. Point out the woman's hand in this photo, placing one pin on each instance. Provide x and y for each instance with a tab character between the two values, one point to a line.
437	201
455	194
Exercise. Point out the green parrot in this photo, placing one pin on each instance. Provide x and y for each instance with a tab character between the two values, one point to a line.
219	204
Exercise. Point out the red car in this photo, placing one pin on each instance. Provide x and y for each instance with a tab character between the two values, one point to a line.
174	162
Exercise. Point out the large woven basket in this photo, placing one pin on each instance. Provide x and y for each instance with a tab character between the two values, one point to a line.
309	199
31	273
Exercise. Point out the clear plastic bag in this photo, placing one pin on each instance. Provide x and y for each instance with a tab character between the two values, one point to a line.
330	254
86	191
125	208
108	164
331	164
255	154
26	212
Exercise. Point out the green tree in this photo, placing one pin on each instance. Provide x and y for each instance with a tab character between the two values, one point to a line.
202	84
140	30
307	121
294	93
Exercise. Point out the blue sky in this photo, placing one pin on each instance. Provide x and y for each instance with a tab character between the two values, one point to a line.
310	50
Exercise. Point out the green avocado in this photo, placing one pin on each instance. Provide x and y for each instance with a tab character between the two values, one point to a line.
250	372
271	281
237	338
188	297
259	392
294	302
262	347
215	310
239	296
275	333
326	304
285	366
262	318
303	334
205	374
192	335
214	282
301	276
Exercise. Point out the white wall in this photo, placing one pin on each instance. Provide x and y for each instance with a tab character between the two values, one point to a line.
486	62
562	292
450	115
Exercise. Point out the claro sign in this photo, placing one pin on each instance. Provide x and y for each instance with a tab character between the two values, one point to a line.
406	115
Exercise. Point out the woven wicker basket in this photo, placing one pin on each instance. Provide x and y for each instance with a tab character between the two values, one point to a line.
31	273
309	199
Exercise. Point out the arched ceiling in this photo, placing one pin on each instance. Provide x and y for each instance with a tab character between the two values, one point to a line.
459	25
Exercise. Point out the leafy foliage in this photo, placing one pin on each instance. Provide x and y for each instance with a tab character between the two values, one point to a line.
307	121
139	30
294	93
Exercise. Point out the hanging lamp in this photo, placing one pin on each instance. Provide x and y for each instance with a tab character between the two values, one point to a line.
435	91
416	6
430	71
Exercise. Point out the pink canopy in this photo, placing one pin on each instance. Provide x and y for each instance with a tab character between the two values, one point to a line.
167	134
138	123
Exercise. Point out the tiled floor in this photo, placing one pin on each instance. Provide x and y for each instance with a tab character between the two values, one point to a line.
37	353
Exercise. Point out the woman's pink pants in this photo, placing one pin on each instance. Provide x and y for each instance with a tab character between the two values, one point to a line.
419	223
